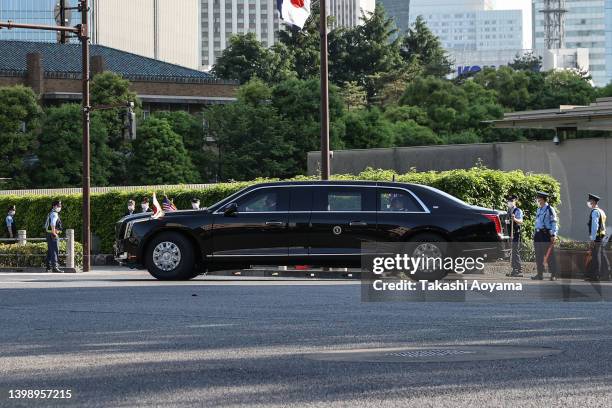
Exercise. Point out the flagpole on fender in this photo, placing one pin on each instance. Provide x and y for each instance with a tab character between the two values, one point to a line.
325	165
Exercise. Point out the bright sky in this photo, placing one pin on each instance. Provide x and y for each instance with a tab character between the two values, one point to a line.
524	5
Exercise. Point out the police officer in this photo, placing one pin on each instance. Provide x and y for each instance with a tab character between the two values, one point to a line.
145	205
599	267
9	221
513	225
546	229
53	226
195	203
131	206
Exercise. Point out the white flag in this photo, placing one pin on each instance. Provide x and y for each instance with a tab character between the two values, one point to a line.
294	12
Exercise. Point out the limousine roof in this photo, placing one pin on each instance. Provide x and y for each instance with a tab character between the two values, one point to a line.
332	182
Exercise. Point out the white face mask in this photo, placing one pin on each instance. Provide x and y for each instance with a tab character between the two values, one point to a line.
145	206
130	208
11	213
58	209
195	206
510	204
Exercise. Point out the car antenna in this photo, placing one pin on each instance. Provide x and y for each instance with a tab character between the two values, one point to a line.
393	179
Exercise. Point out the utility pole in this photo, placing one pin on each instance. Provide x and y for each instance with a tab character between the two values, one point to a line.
81	31
62	14
325	167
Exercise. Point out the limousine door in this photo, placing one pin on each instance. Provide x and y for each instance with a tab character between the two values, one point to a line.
343	218
257	230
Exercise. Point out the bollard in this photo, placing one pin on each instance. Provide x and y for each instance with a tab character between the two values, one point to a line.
69	249
21	237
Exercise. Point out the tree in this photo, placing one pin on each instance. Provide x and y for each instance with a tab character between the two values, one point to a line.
367	128
354	95
421	44
160	156
59	152
528	61
246	58
566	87
19	118
512	87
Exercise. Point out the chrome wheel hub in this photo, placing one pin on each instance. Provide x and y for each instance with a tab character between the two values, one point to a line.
166	256
427	250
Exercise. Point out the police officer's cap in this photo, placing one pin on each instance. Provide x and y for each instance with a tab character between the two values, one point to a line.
593	197
11	207
512	197
56	203
541	194
195	200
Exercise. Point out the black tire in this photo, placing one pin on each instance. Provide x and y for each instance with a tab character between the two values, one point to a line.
162	261
432	241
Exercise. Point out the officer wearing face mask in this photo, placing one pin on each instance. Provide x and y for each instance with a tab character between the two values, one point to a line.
145	205
9	221
514	220
53	227
546	229
131	208
599	266
195	203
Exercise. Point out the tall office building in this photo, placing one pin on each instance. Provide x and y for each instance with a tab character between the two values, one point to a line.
588	24
399	10
223	18
152	28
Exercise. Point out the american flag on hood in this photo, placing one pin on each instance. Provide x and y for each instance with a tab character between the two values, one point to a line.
168	205
294	12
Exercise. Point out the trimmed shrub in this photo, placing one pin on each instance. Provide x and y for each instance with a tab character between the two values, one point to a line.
479	185
34	254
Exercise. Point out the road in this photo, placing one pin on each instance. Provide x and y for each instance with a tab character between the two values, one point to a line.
118	338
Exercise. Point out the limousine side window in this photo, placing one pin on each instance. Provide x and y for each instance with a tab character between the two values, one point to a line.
344	199
394	200
263	200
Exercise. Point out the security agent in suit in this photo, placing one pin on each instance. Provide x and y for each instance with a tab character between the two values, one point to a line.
514	221
546	229
600	265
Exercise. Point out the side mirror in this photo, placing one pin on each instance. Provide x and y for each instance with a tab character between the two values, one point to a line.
230	209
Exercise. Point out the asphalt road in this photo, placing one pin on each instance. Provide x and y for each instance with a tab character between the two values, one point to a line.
121	339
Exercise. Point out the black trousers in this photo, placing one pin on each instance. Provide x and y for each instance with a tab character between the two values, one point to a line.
542	244
515	260
52	260
600	264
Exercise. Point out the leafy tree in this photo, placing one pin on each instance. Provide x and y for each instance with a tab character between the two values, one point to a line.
19	118
246	58
512	87
60	149
160	156
566	87
421	44
367	128
410	133
354	95
528	61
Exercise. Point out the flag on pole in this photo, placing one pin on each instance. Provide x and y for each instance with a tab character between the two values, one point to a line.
294	12
167	205
157	210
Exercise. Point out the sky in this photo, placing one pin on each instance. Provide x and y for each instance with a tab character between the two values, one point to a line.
524	5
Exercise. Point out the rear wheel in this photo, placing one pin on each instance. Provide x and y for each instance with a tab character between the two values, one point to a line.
170	256
428	246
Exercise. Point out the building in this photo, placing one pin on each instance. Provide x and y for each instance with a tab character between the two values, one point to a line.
53	71
399	10
223	18
152	28
587	24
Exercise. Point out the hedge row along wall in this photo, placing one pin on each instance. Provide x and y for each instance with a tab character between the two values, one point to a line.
481	186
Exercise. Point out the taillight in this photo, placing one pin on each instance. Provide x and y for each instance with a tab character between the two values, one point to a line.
496	221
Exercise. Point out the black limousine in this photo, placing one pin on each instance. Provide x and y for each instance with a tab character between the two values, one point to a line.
319	223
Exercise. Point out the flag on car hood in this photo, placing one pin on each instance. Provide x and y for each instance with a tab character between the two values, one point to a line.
157	210
294	12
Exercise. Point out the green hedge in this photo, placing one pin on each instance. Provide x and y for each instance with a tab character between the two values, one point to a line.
34	254
479	186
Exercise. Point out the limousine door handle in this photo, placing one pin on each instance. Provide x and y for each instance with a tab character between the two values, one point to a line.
358	224
275	223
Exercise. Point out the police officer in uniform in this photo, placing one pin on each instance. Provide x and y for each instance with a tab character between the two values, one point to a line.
599	266
9	221
195	203
546	229
145	205
131	208
53	226
513	225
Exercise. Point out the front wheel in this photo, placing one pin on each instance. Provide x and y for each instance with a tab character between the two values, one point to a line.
170	256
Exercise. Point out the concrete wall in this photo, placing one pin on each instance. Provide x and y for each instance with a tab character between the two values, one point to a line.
581	166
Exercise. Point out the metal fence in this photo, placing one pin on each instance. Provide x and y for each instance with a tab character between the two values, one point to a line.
66	191
19	259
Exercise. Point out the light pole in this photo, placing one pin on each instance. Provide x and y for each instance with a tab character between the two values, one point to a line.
325	168
82	32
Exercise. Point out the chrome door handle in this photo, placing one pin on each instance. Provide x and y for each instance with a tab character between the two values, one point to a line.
275	223
358	224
